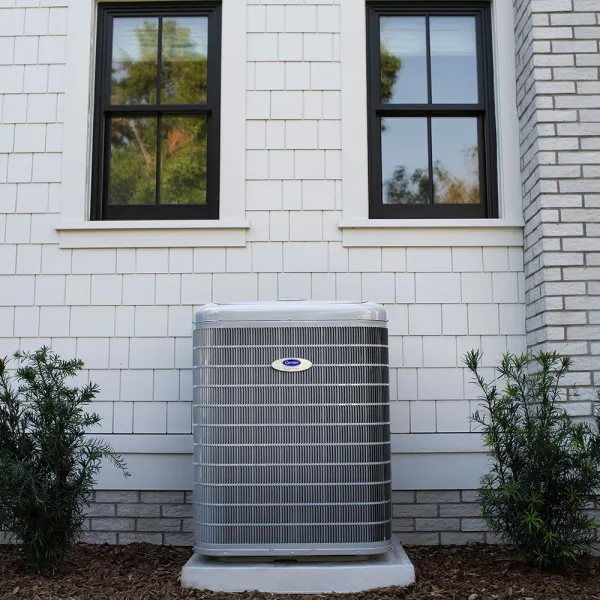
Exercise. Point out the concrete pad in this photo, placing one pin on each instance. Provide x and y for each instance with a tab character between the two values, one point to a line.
382	570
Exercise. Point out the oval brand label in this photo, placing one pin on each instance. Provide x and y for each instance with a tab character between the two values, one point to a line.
292	362
292	365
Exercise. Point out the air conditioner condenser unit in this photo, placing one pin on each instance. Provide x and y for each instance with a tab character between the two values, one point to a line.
291	429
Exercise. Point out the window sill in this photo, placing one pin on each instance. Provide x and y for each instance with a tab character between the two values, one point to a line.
151	234
431	232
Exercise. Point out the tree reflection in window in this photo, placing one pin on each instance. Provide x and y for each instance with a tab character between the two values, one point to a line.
390	70
183	140
413	188
431	110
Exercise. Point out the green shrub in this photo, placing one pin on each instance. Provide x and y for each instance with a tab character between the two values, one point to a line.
545	467
47	463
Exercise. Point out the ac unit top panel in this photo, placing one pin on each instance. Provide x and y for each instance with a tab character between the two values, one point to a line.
291	311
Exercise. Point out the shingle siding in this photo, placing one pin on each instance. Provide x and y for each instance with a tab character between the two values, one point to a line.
128	312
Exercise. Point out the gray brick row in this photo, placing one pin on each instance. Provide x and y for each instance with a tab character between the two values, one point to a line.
419	517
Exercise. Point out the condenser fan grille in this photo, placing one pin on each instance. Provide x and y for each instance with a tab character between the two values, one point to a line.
291	462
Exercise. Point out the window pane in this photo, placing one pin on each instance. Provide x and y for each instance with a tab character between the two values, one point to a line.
403	60
183	160
455	161
134	61
453	60
184	60
404	160
132	161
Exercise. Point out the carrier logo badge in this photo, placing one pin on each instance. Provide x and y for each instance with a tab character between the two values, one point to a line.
292	365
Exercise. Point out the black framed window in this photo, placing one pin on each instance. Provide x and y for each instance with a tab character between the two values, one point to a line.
156	124
431	110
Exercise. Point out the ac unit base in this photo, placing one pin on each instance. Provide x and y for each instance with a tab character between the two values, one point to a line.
383	570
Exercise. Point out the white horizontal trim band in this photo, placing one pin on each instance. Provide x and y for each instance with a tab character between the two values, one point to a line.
73	225
431	233
429	224
152	234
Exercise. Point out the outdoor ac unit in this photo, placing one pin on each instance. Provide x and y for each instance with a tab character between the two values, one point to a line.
291	429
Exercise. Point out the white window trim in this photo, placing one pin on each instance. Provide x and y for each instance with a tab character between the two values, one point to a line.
74	227
357	228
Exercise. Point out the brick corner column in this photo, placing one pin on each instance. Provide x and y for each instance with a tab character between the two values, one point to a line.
558	100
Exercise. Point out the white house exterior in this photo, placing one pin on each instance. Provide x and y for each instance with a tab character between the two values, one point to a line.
294	222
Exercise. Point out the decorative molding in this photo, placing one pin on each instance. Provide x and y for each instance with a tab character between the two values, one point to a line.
156	234
430	233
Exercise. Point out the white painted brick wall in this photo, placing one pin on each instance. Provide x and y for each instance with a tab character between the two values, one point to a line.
128	312
558	60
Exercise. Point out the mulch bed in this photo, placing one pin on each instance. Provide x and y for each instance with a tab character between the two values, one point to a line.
145	572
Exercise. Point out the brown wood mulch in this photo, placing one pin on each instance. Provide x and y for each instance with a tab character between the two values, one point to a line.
145	572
